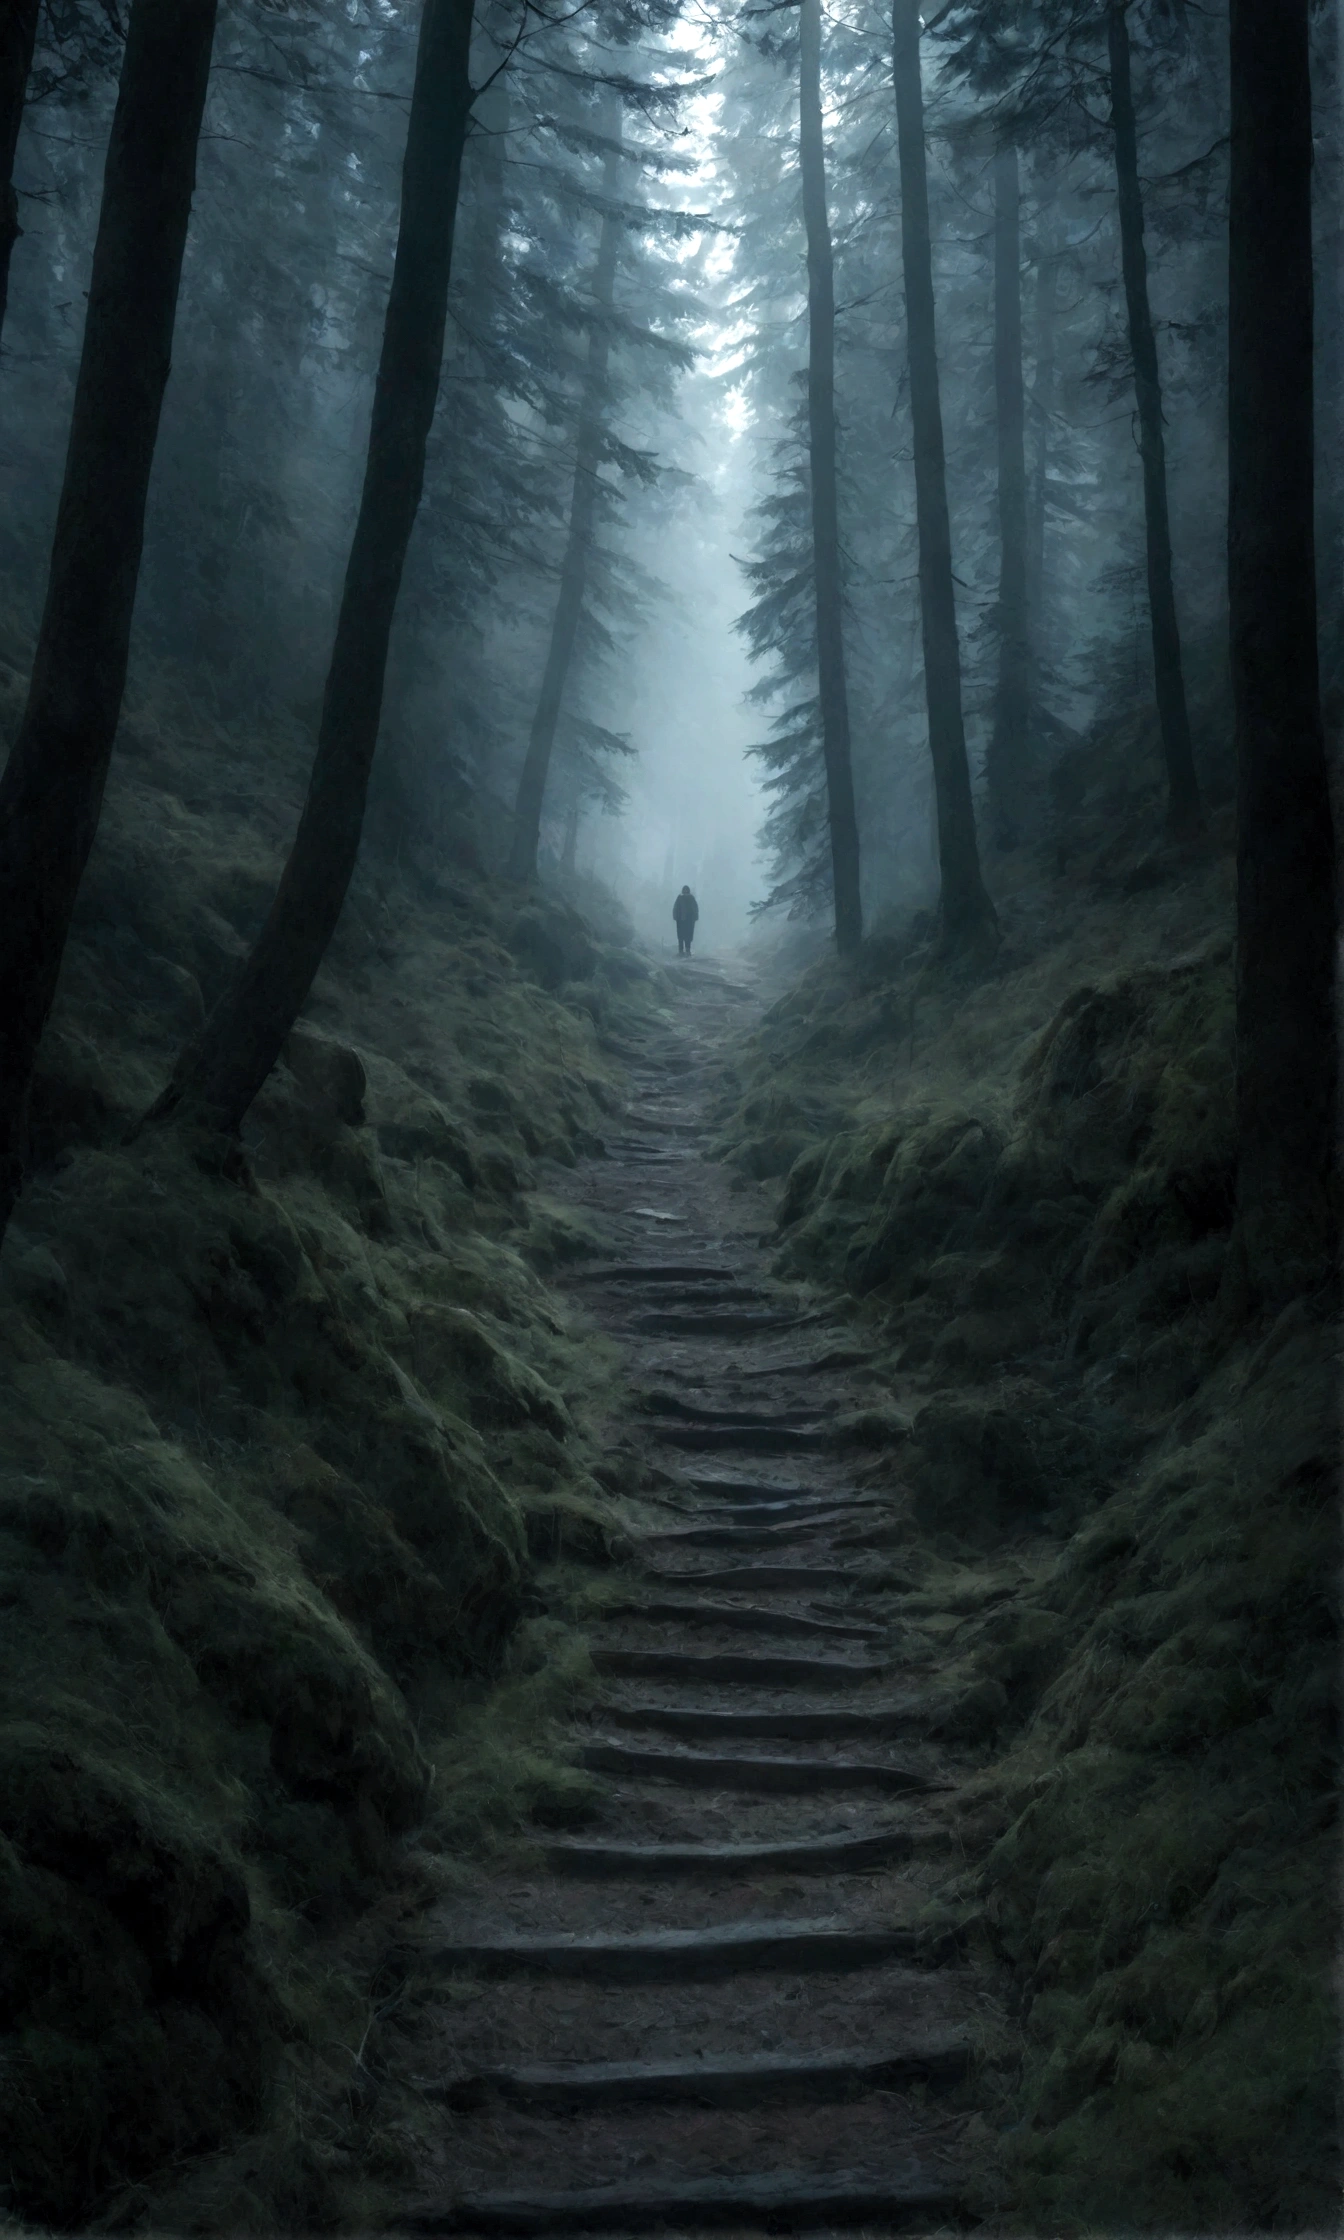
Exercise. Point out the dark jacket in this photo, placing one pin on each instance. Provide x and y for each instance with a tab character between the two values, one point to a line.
685	909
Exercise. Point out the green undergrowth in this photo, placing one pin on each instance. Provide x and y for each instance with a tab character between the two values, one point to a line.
1115	1518
283	1440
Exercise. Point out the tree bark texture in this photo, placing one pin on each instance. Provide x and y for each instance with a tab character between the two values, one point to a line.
217	1079
1286	1040
52	789
1006	764
1184	813
831	684
18	36
574	566
1327	65
966	911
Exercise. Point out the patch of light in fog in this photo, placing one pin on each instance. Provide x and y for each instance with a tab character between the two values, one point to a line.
695	802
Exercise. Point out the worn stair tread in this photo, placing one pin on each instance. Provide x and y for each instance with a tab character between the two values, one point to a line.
746	1535
727	1664
655	1271
748	1489
752	1575
782	1775
937	2059
767	1437
712	1325
768	1515
741	1617
825	1364
672	1406
754	1513
839	1854
761	1946
782	1726
781	2198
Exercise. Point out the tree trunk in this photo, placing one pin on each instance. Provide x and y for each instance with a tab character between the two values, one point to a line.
1042	410
569	853
1286	1048
1006	762
52	789
967	914
574	566
1328	200
825	496
218	1077
18	35
1184	814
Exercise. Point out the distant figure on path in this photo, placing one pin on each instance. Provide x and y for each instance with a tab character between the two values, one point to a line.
685	910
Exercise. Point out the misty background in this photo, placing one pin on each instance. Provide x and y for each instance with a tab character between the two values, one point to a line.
694	650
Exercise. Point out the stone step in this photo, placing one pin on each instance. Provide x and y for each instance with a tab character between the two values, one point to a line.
843	1854
763	1946
935	2061
654	1271
748	1489
761	1672
828	1363
768	1436
740	1618
748	1535
712	1324
759	1575
755	1513
777	1776
659	1126
670	1404
779	2200
722	1295
779	1726
627	1151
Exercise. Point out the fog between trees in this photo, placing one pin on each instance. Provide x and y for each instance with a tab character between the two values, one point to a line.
470	468
949	309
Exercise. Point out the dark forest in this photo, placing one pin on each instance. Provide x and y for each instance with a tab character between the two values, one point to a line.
671	682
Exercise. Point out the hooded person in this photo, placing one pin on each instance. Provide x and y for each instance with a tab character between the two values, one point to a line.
685	911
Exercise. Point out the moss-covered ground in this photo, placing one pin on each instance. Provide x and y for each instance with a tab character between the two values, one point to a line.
282	1447
1120	1517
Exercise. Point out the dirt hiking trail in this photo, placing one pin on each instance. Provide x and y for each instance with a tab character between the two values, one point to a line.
714	2005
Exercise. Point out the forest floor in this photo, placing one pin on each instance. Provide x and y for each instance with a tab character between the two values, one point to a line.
332	1481
730	1999
955	1453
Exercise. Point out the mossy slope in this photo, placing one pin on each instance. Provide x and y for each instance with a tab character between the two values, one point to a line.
273	1443
1120	1525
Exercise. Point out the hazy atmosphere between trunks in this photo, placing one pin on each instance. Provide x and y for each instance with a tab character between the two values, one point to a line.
671	688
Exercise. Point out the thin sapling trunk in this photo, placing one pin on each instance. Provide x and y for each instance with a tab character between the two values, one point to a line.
1042	410
966	912
219	1076
831	683
574	566
1184	813
1006	764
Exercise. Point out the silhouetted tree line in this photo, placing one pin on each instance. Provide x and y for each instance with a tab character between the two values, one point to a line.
565	388
1080	95
1062	87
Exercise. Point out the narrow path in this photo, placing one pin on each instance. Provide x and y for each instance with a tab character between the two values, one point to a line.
715	2007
